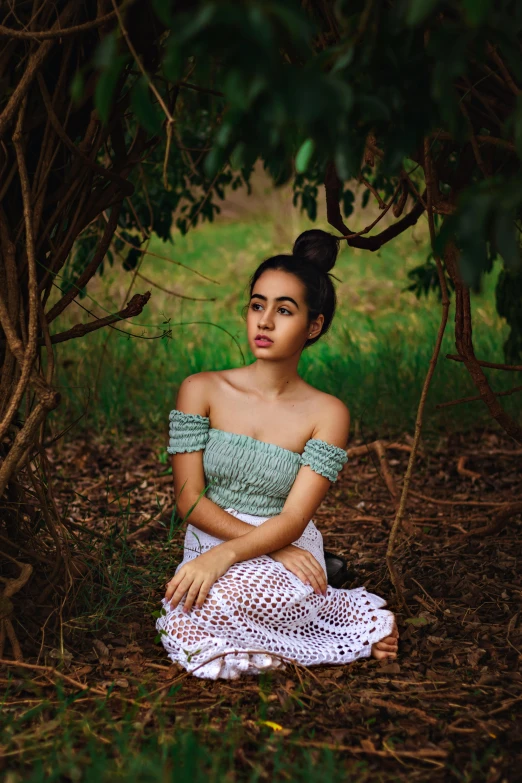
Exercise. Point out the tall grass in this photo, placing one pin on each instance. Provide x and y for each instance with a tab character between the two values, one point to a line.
65	739
374	358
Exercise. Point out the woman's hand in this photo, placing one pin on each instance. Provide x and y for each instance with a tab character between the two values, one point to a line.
197	577
303	565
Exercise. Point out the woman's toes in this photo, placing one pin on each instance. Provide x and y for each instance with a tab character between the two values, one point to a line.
389	641
386	647
380	654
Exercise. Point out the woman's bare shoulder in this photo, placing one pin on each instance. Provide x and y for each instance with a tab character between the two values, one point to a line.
332	420
195	393
201	388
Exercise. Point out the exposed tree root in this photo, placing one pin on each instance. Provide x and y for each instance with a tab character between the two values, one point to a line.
12	586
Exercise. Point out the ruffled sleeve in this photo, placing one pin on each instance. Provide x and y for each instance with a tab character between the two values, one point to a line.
324	458
187	432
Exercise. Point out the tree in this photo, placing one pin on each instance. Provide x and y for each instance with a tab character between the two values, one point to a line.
111	116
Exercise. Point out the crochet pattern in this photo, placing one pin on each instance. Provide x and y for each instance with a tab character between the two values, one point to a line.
259	615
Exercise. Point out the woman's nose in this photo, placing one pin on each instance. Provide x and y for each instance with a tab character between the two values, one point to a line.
265	321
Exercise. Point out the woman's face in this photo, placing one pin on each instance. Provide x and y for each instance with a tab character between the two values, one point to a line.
278	311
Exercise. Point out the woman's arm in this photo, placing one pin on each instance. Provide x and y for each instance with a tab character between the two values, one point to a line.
308	491
206	515
187	469
196	578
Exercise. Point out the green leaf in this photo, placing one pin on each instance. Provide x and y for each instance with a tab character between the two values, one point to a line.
517	125
418	11
77	87
105	86
304	155
476	11
148	113
417	622
506	239
348	199
110	65
163	12
213	161
105	53
345	58
131	261
237	156
172	60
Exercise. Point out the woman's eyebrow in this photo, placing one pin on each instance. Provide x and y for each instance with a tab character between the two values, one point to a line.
278	299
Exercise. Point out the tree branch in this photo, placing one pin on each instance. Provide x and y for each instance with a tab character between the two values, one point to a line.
133	308
29	352
431	189
35	62
91	268
332	186
450	403
464	345
126	186
491	365
47	35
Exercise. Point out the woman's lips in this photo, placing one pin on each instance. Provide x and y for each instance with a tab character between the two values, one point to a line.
263	342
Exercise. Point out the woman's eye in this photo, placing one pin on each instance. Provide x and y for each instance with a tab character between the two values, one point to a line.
256	305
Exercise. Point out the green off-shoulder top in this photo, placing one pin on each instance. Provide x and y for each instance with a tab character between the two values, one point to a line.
245	473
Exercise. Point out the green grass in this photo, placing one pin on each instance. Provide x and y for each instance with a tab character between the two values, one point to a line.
375	357
93	747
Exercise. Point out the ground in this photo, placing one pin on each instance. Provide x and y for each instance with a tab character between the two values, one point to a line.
447	709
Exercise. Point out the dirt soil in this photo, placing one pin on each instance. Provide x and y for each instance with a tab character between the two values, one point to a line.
447	709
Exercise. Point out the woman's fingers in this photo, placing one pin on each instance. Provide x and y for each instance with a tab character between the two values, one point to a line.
179	592
320	575
172	585
321	578
192	595
313	566
307	576
314	581
302	575
308	570
203	592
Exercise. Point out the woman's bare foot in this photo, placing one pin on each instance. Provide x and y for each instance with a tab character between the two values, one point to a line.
387	647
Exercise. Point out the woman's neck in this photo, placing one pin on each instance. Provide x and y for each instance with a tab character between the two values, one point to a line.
274	379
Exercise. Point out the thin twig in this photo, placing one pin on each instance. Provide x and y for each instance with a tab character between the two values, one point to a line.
46	35
175	293
147	252
450	403
430	187
134	307
491	365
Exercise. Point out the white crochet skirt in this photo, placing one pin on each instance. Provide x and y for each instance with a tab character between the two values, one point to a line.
260	616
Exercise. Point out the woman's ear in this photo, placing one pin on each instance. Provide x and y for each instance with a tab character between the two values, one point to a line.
316	324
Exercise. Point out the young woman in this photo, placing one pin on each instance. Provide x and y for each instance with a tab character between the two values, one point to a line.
251	592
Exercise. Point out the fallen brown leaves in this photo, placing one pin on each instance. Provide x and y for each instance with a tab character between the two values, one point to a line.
452	699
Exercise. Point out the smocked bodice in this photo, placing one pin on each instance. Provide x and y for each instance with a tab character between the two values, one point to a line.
245	473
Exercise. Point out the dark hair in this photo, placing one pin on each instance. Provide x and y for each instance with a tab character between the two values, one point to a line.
313	255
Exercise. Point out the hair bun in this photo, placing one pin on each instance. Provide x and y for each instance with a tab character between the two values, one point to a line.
318	247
